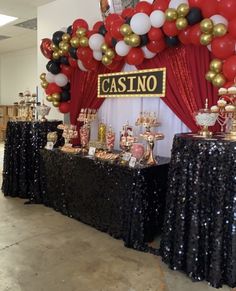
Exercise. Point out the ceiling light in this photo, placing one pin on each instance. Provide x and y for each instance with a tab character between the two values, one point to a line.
4	19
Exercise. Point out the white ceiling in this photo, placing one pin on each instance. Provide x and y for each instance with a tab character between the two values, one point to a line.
20	38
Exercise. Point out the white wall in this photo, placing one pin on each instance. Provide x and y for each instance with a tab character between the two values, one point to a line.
59	14
18	72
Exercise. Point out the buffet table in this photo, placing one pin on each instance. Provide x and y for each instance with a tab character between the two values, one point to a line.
199	235
127	203
21	170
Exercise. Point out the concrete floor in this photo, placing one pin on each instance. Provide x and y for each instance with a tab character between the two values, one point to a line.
42	250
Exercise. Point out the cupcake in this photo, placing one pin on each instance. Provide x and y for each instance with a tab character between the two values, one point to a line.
232	90
221	103
214	108
230	108
222	91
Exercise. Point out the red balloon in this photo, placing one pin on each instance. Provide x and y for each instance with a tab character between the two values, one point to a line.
117	58
170	28
195	33
196	3
184	36
229	68
97	25
115	29
228	84
111	18
156	46
108	38
90	32
223	47
72	62
160	5
209	8
128	12
91	64
64	107
45	48
135	56
79	23
114	66
227	8
66	70
84	54
155	34
144	7
232	28
52	88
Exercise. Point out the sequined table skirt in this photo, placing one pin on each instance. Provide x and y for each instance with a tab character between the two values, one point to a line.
21	170
199	234
125	202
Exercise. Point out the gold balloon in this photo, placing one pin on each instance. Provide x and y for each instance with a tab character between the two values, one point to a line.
55	55
104	47
218	80
66	37
125	29
49	98
106	61
205	38
56	103
181	23
134	40
61	53
74	42
66	47
54	47
219	29
110	53
171	14
44	84
61	44
206	25
83	41
183	10
127	39
216	65
81	32
210	75
56	97
43	76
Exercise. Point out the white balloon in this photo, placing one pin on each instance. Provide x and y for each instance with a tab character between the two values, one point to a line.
219	19
209	47
147	53
140	23
81	66
50	78
61	79
95	41
175	3
149	1
97	55
122	49
157	18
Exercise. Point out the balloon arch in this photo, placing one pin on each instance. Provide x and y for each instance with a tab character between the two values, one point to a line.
140	33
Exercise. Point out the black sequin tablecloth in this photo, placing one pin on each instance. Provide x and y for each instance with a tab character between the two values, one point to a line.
199	235
21	168
127	203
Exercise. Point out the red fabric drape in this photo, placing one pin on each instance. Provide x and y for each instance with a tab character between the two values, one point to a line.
84	91
186	88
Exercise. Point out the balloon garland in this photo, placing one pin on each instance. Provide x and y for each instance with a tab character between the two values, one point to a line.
140	33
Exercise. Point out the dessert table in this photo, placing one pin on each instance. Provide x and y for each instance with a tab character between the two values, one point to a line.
21	167
199	233
128	203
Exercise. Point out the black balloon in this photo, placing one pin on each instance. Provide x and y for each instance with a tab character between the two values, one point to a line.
67	86
194	16
65	96
171	41
102	30
144	39
64	60
127	20
113	42
54	68
57	37
69	29
48	65
72	52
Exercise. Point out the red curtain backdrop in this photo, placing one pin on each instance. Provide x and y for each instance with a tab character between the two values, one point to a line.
186	87
84	91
